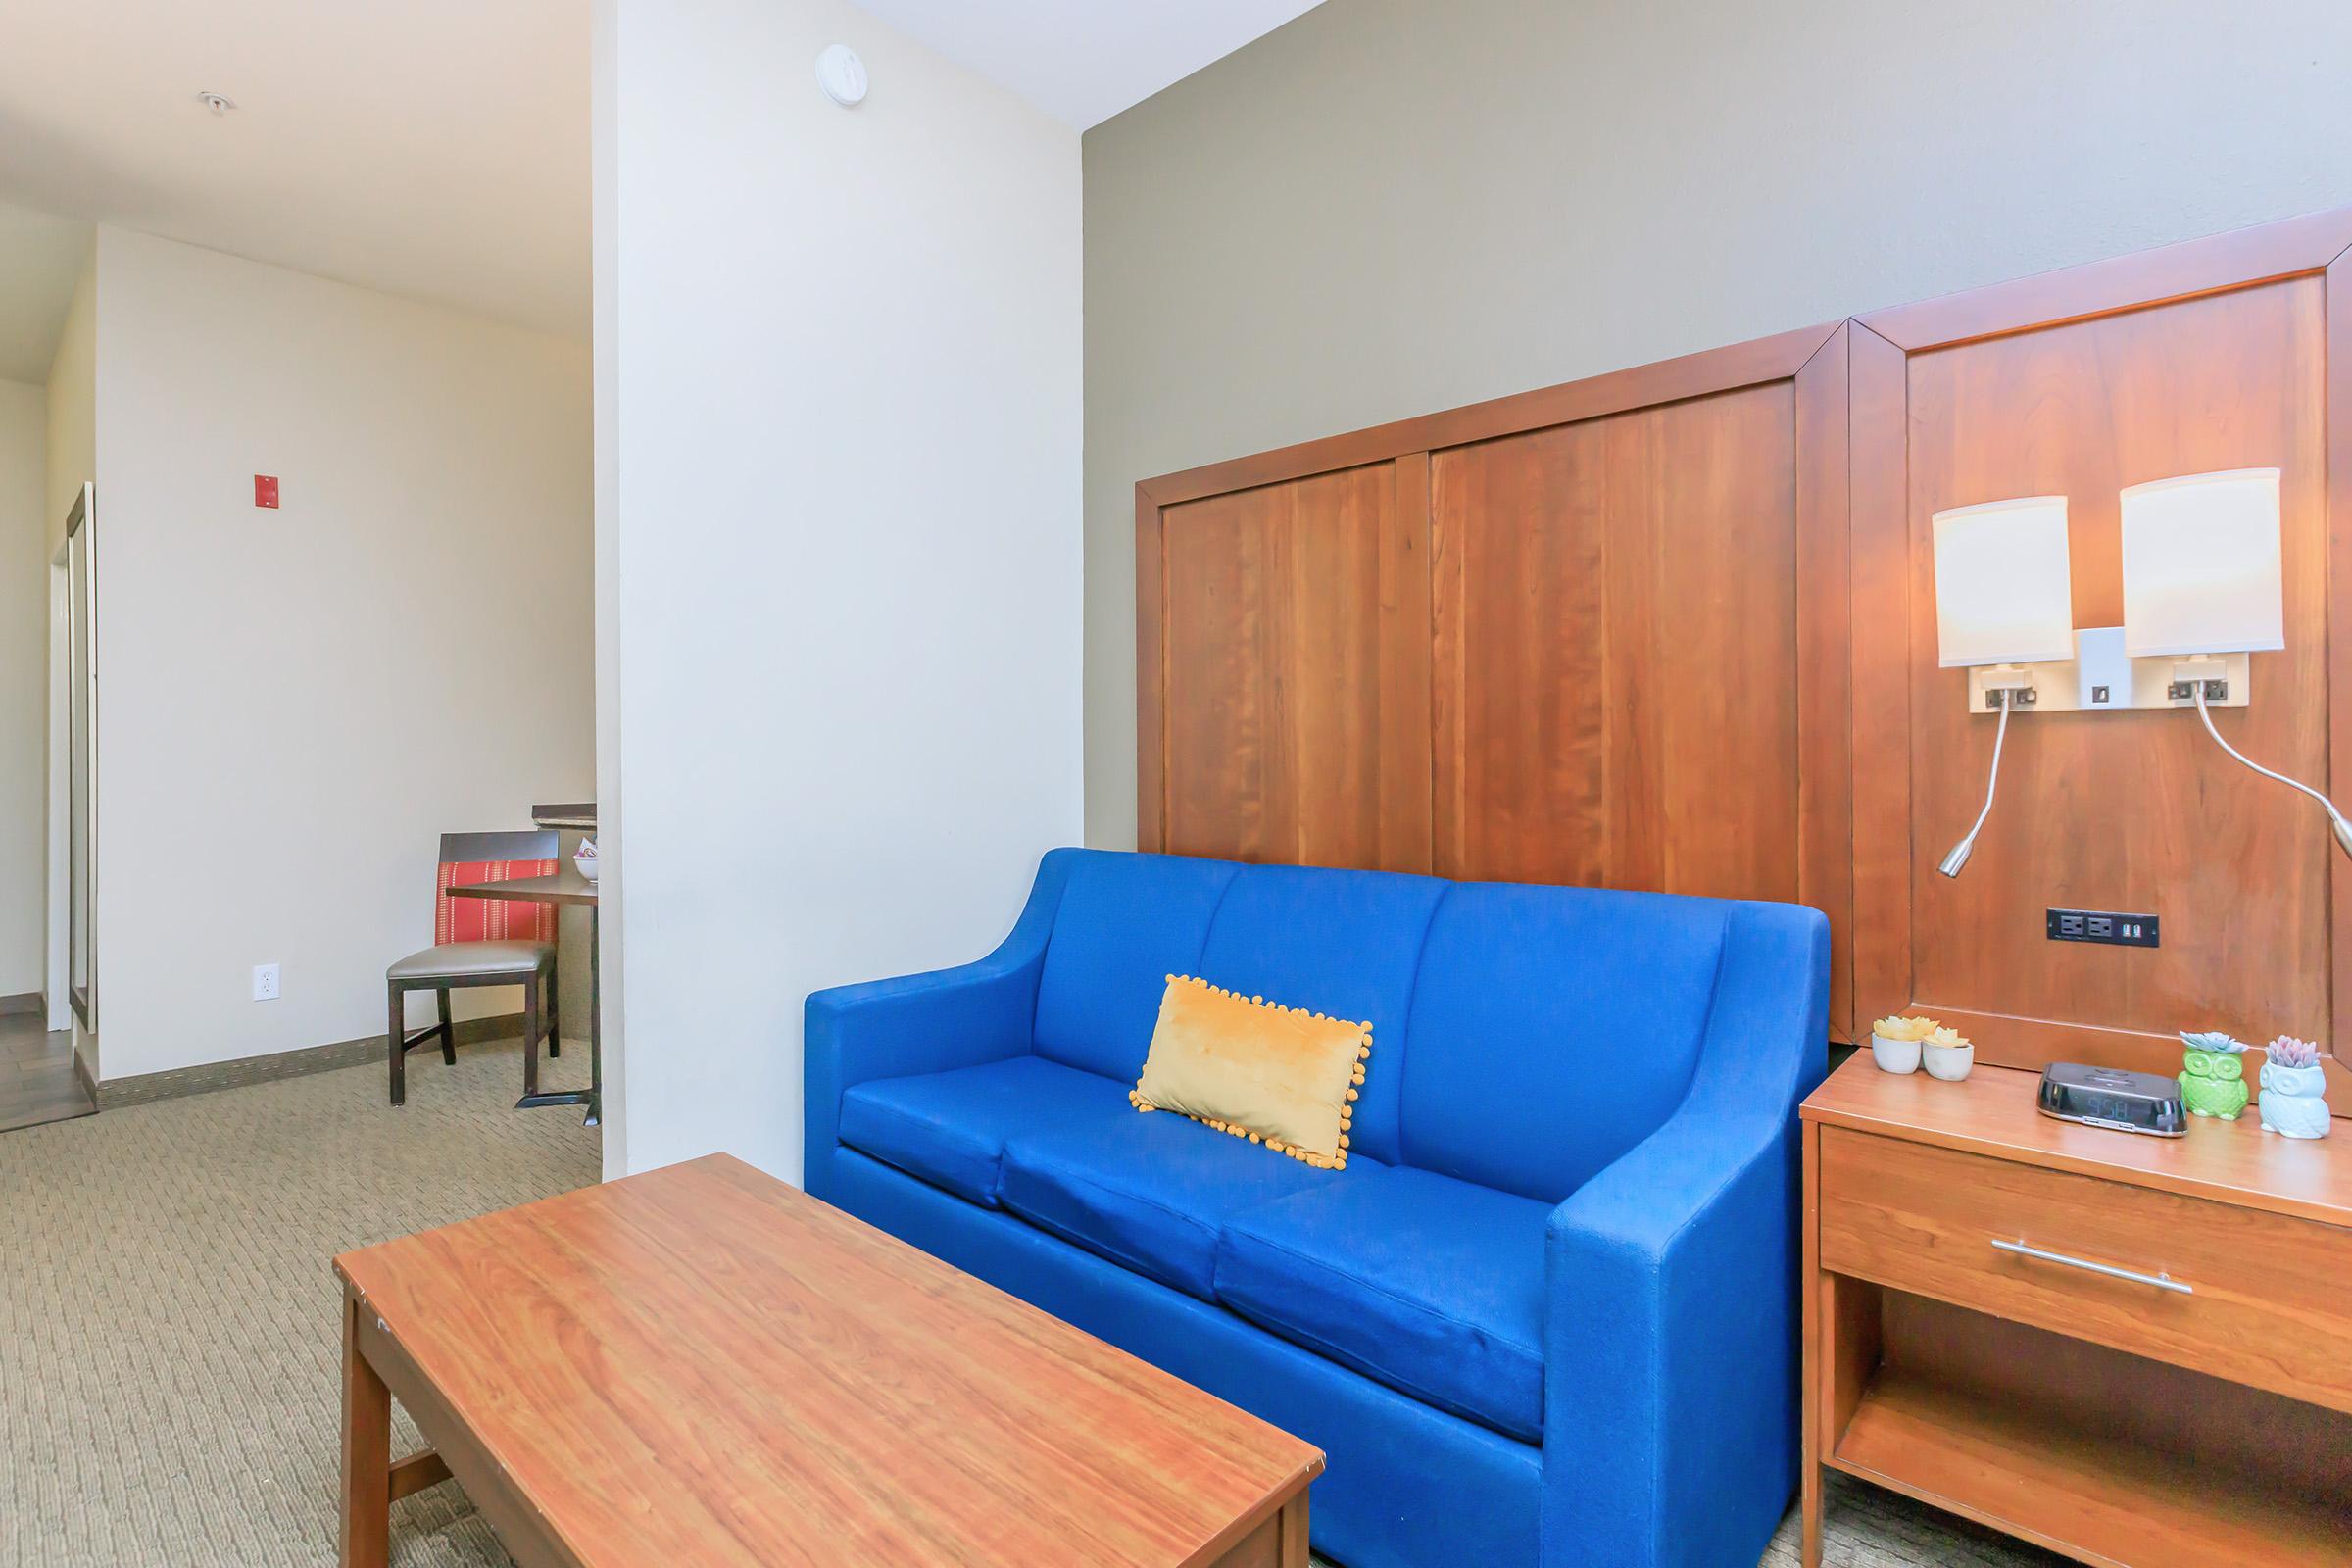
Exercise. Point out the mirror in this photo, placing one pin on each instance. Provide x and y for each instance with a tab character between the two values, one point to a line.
81	680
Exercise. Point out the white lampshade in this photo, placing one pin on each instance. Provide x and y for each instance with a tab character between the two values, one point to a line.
2201	571
2004	593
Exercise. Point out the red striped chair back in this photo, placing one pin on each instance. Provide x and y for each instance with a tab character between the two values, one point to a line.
492	857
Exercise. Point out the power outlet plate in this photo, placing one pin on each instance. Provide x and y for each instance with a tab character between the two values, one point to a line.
265	982
2104	926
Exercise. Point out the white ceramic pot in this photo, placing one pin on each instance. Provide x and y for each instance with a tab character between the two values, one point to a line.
1951	1063
1894	1055
2292	1104
587	865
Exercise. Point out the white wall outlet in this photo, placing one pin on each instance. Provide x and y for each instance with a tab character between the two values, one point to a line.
265	982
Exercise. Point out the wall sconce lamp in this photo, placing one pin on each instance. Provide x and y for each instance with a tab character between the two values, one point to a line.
2202	590
2202	578
2004	600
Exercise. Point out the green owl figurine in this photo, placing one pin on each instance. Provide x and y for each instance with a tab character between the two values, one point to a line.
2213	1078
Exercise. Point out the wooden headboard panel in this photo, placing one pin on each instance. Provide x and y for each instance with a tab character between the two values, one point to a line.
1594	635
2226	353
1673	629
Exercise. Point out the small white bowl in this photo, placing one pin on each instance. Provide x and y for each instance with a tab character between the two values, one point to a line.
587	865
1894	1055
1951	1063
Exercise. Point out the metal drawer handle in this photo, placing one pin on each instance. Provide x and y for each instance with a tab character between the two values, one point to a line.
2163	1282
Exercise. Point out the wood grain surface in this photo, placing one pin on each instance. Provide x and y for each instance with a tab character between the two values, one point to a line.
1607	594
1993	1112
1295	656
2267	1305
702	1364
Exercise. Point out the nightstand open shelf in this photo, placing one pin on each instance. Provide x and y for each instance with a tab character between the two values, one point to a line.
2074	1489
2108	1418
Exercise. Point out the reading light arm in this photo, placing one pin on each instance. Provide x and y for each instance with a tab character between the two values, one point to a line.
2336	818
1951	864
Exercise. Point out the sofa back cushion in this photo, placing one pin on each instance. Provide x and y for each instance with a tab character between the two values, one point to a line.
1340	943
1553	1029
1126	923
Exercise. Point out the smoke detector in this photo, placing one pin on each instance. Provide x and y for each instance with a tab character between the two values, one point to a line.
220	103
842	74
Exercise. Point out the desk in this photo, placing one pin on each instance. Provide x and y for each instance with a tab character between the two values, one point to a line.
2133	1350
565	887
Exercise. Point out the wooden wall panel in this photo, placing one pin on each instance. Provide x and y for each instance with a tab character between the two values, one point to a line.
2212	355
2138	811
1607	594
1616	610
1294	666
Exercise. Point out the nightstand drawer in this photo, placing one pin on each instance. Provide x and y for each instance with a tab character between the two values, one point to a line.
2258	1297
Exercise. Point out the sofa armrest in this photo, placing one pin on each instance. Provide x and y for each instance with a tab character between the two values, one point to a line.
920	1023
1670	1432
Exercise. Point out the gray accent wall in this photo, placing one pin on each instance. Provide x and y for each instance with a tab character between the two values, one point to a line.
1390	207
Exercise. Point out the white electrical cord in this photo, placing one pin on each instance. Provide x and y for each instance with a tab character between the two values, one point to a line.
1951	864
2343	829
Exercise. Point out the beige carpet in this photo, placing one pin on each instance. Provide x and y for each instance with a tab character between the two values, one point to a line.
167	1327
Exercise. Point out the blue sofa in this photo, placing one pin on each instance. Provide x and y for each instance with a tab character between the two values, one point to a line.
1547	1313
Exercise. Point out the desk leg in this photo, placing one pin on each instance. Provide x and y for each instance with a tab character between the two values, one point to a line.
596	1019
366	1523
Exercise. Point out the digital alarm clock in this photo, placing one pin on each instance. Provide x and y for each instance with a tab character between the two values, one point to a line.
2110	1096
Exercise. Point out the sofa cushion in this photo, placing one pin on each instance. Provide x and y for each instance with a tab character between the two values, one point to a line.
1148	1190
1343	943
949	1128
1125	923
1552	1030
1433	1286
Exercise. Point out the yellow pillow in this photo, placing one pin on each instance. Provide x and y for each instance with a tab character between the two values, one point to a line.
1281	1076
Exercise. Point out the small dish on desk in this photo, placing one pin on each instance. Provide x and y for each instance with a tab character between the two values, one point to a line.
585	859
1948	1055
1894	1043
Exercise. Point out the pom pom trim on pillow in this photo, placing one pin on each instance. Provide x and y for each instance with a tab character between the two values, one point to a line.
1281	1076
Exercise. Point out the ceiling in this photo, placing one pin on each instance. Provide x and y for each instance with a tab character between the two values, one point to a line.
40	260
436	149
1083	61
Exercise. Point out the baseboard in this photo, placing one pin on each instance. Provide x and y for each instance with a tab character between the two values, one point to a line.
148	1087
21	1002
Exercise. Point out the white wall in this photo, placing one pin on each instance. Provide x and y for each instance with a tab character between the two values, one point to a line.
23	688
845	360
1390	207
296	702
72	399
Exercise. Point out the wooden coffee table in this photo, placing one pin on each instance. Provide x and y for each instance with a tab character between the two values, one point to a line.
705	1365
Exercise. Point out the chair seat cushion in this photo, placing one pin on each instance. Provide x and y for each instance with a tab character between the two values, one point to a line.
1431	1285
459	961
1148	1190
949	1128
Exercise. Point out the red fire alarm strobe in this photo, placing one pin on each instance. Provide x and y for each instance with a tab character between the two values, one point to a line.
265	489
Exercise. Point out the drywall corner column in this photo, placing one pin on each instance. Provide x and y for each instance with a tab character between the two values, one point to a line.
604	288
845	606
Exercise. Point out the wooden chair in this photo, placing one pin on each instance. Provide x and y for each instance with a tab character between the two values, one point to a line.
481	942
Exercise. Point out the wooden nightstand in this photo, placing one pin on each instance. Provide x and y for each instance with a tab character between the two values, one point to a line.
2165	1380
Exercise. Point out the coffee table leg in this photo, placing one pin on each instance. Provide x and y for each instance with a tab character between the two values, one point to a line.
367	1525
1293	1549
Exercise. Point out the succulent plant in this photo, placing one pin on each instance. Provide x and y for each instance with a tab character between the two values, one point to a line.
1900	1028
2288	1052
2212	1040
